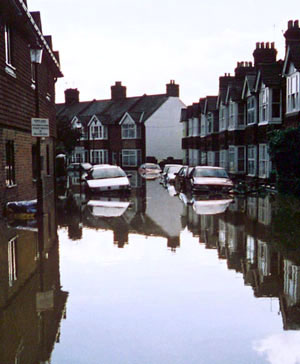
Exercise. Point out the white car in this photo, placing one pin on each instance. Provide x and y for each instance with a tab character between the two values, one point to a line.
106	178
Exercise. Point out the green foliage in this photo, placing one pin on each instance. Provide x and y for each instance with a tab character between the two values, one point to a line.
67	137
284	149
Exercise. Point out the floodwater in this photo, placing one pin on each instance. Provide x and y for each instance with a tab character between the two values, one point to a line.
156	278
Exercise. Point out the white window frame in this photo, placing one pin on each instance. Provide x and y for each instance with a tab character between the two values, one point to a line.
130	130
234	158
203	126
252	160
12	261
251	110
195	127
292	92
97	130
203	158
131	157
224	158
210	158
99	156
223	114
264	161
232	115
210	123
264	105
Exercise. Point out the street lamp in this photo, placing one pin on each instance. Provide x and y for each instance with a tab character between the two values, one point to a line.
36	53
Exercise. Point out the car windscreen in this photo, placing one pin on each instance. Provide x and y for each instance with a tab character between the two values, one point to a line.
210	172
173	169
107	173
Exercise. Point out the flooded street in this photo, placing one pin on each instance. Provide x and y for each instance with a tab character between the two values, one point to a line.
157	278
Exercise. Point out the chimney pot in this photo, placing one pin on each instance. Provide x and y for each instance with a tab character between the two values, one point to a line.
290	24
267	45
296	24
257	45
272	45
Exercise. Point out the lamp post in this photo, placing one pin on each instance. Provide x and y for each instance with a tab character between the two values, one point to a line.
36	59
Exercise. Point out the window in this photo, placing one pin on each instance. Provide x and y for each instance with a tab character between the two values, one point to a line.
236	157
264	105
12	261
98	131
131	131
210	120
264	161
252	160
276	104
232	115
195	127
223	117
203	125
293	92
10	177
210	158
131	157
251	110
190	127
224	159
203	158
99	156
8	45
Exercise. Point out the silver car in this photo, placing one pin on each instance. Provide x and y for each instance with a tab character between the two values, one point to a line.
106	178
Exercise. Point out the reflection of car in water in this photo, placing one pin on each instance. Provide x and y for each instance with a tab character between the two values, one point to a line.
149	170
211	207
206	205
206	179
107	207
106	179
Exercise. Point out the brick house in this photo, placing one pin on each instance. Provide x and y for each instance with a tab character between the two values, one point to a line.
125	130
19	31
257	98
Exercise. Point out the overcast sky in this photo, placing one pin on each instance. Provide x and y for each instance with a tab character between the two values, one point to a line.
147	43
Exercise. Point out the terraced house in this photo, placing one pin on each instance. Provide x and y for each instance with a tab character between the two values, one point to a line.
123	130
230	129
24	94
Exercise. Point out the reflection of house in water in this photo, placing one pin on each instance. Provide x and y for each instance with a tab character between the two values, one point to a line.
31	300
290	300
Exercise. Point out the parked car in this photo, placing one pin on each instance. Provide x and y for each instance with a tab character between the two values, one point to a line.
181	178
106	178
207	179
168	174
150	170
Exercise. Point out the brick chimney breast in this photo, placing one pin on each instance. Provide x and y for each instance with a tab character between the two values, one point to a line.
71	96
118	92
172	89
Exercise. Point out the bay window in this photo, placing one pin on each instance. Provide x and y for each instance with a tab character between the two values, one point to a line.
264	161
99	156
251	160
251	110
130	130
293	92
236	158
264	104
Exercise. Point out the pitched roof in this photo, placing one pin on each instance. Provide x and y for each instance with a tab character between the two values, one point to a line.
111	112
271	74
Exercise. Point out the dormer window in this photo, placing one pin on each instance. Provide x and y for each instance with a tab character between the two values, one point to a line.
130	130
97	130
10	69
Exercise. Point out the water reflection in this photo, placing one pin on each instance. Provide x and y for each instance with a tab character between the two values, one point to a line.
239	229
32	302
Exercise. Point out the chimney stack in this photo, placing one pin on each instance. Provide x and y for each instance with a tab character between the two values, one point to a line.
264	54
118	92
172	89
292	34
71	96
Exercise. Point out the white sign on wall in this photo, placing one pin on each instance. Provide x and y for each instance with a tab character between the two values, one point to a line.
40	127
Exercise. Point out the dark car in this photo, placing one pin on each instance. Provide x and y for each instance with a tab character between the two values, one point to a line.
181	178
207	179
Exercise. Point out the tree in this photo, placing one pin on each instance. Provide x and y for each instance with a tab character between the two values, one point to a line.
67	136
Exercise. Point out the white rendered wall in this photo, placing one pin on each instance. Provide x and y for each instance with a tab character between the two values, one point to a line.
164	131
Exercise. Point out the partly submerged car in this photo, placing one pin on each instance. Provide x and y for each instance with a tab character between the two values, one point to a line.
207	179
169	173
149	170
106	178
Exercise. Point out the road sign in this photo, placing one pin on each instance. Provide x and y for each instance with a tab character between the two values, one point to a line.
39	127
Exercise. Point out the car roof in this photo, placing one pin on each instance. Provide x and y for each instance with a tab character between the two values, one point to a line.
211	167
